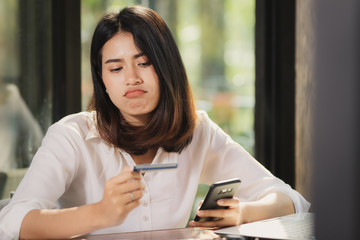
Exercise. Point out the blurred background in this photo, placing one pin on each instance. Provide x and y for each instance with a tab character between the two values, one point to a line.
215	38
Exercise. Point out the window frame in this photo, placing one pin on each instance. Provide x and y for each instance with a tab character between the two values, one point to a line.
275	87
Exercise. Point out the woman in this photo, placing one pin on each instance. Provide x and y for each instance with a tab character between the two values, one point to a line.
81	179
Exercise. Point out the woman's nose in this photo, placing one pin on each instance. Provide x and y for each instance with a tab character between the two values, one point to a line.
132	78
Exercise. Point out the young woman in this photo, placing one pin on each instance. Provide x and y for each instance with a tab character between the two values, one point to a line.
81	179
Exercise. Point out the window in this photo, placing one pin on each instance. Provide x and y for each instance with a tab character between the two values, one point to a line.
38	68
25	99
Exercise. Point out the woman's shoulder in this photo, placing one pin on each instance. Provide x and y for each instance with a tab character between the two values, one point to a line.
204	125
202	116
78	118
82	123
203	119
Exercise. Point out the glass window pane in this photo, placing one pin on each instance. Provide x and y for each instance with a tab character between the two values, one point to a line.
25	106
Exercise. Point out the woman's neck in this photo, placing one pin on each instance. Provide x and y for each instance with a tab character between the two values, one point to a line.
145	158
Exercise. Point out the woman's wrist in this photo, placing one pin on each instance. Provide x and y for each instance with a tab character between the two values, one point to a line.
97	214
244	212
272	205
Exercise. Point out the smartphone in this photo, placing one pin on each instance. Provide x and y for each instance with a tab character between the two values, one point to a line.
154	167
218	190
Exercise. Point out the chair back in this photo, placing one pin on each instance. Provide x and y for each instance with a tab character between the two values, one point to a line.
3	178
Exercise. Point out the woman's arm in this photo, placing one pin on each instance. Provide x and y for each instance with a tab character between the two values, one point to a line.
117	202
235	162
272	205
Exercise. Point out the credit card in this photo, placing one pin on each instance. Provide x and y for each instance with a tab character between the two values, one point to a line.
154	167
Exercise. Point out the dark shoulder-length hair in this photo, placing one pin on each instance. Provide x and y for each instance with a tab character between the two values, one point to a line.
173	121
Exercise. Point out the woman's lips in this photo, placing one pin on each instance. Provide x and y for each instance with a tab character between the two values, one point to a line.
134	93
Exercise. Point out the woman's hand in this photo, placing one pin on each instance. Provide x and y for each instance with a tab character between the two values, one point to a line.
121	195
229	217
272	205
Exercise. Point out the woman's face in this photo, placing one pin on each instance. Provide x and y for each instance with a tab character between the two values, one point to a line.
130	79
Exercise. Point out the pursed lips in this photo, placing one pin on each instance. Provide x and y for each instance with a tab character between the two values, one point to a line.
134	93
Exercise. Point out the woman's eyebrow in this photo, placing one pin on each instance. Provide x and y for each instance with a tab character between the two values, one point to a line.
120	59
113	60
139	55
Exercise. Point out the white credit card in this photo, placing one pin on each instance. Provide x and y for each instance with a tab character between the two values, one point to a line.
154	167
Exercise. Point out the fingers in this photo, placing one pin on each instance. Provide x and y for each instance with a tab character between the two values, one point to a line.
131	205
218	213
229	202
124	188
122	194
133	196
125	175
228	217
127	169
126	181
210	224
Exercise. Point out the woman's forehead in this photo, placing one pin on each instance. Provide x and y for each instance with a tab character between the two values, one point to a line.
120	46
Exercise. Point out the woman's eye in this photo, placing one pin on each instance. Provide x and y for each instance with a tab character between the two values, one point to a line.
116	69
144	64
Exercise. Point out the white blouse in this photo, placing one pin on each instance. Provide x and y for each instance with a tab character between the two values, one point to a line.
73	164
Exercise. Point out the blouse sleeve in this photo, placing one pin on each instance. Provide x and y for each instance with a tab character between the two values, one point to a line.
227	159
51	171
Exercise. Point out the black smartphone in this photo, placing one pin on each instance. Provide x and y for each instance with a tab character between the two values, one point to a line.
218	190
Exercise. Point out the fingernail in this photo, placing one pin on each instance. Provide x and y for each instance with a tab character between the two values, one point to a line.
200	213
220	202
